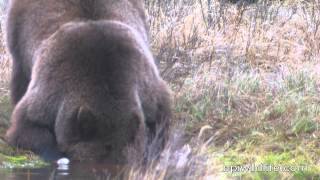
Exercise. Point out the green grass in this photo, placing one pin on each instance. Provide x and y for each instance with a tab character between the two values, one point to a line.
5	112
262	124
248	75
22	161
11	157
297	165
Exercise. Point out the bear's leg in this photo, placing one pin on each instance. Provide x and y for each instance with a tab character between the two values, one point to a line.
33	137
19	83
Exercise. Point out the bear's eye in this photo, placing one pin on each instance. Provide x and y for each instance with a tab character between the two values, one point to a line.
108	147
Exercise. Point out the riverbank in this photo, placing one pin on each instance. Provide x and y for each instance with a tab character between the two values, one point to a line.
246	84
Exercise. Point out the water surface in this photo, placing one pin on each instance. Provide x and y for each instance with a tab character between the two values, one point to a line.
76	171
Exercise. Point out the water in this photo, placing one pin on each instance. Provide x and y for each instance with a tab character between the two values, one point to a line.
176	162
77	171
183	158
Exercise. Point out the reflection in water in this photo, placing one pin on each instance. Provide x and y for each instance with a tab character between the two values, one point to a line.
76	171
176	162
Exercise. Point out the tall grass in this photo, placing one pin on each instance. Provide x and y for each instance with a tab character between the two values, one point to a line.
5	66
4	58
248	76
245	78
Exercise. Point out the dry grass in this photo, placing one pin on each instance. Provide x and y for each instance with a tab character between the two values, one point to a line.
246	83
251	74
5	65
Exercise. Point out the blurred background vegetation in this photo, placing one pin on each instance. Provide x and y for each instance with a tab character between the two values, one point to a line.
245	78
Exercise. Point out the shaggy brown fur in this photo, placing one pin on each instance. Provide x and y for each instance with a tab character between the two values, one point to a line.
84	82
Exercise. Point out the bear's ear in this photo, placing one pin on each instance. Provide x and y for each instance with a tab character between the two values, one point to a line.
87	123
84	114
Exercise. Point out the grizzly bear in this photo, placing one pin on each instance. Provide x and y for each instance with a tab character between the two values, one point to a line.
84	82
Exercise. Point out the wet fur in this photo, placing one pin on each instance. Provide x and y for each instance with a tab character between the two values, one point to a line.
84	83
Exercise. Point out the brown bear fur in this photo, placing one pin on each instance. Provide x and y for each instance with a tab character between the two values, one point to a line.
84	82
